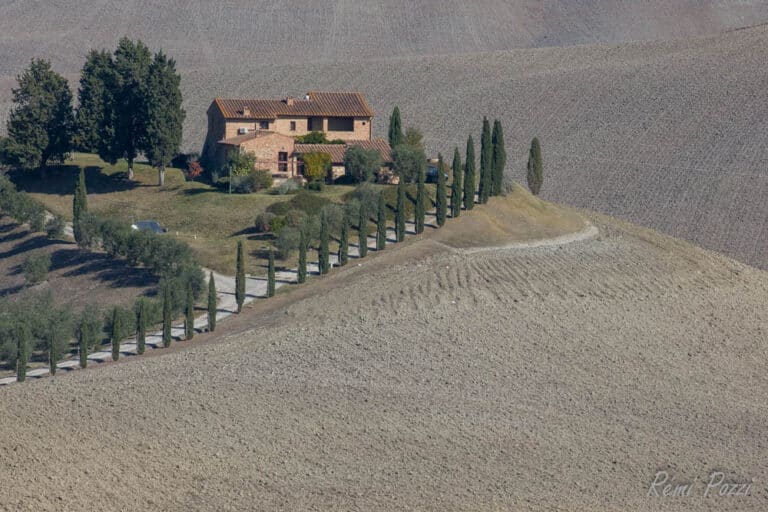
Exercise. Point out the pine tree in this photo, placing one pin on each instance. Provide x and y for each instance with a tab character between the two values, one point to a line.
344	240
421	198
441	198
141	326
535	174
303	243
395	134
400	213
79	207
240	276
486	155
499	159
271	274
23	342
324	256
117	330
189	314
469	175
93	97
381	224
167	319
456	184
362	231
212	303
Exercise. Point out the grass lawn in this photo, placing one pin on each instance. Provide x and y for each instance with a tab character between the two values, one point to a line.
209	219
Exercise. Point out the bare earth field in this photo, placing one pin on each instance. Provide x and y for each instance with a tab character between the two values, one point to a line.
429	378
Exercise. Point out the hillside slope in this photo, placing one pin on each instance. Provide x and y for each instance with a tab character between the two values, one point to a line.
432	379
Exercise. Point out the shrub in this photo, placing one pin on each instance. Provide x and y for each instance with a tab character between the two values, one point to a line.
316	138
362	164
264	222
277	224
36	267
240	163
287	241
286	187
54	228
252	182
366	194
304	201
408	162
316	165
193	170
334	213
316	186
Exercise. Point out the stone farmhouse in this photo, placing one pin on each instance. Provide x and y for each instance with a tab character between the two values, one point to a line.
268	128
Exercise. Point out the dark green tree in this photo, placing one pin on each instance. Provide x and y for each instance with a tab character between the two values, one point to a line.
362	164
212	303
344	240
41	124
324	258
400	213
141	325
240	276
486	156
82	343
164	114
362	231
271	274
535	174
93	98
23	336
58	334
456	184
303	245
395	134
79	207
117	333
408	162
421	198
189	314
89	327
381	224
441	198
167	315
469	175
499	159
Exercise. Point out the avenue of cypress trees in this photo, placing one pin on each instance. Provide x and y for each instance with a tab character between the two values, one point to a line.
421	197
344	241
456	184
189	314
167	316
400	213
303	243
469	175
79	207
117	328
23	342
362	231
141	326
240	276
486	155
212	303
323	255
441	198
535	174
381	224
499	158
395	134
271	274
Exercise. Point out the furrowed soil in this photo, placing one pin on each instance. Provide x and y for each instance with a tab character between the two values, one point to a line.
431	378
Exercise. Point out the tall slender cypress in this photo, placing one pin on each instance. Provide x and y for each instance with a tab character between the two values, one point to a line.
469	175
362	231
324	257
79	207
271	274
117	332
212	303
456	184
141	326
395	134
344	239
400	213
83	341
240	276
499	159
486	155
189	314
421	198
535	167
23	342
441	200
381	224
167	318
303	243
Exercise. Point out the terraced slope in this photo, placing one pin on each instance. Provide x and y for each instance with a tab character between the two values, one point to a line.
430	379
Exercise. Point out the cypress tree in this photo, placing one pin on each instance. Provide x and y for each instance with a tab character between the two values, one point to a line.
456	184
117	328
240	276
79	207
344	242
83	341
421	197
395	134
59	331
303	243
141	326
323	251
400	213
189	314
535	167
23	342
486	155
167	315
499	159
469	175
271	274
442	198
362	231
212	303
381	224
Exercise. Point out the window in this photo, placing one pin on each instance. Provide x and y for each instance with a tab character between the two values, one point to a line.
293	126
315	124
264	125
341	124
282	161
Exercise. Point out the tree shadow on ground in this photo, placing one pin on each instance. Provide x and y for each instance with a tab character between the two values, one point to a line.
61	179
115	272
30	244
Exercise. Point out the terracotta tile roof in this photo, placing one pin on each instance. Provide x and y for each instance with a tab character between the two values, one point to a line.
330	104
239	139
337	151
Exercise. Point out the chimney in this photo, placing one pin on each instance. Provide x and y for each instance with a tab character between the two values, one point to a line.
246	112
289	101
